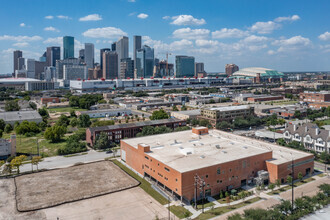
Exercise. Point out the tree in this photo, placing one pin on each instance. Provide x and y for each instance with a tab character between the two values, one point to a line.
1	133
224	125
8	128
281	142
73	113
55	133
17	162
102	141
325	188
74	122
33	105
73	145
12	105
289	179
84	121
160	114
325	157
204	122
271	186
183	108
175	108
2	124
297	114
35	161
221	194
63	121
278	183
300	176
44	113
42	125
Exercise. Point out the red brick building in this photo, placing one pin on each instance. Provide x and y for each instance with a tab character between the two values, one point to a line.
223	160
46	100
323	96
121	131
264	98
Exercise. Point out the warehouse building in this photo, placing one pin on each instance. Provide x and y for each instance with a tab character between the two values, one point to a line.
228	113
224	161
104	113
20	116
129	130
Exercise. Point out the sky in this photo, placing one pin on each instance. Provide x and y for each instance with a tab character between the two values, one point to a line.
284	35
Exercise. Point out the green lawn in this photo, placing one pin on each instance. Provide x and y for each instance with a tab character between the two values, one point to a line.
221	210
29	145
326	122
145	185
180	211
208	204
283	189
65	109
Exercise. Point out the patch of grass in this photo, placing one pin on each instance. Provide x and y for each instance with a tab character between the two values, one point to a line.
29	145
283	189
221	210
180	211
65	109
145	185
321	174
208	204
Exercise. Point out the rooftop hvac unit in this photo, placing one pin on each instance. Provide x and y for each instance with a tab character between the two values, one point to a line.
218	146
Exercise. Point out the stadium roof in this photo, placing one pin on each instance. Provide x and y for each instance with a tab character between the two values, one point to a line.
253	71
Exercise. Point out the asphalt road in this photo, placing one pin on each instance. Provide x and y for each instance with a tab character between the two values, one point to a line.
60	161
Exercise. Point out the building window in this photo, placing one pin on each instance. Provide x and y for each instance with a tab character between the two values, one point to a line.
176	189
176	180
146	157
218	181
168	170
206	176
218	171
229	178
229	170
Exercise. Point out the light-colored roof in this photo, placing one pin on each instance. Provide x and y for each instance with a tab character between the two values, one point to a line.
185	151
19	115
189	112
18	80
230	108
252	72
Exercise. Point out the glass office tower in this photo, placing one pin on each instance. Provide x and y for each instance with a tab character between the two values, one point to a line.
68	47
185	66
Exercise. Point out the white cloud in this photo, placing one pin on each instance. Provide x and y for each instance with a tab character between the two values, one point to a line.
166	17
106	32
265	27
255	39
229	33
289	18
54	41
326	48
271	52
50	28
21	44
63	17
91	17
187	20
142	16
20	38
206	43
131	1
49	17
180	45
293	44
325	36
22	25
132	13
188	33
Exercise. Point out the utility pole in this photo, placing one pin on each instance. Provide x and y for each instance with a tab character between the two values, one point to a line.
292	184
38	146
169	212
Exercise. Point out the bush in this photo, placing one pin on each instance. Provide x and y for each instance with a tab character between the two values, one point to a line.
55	133
8	128
27	127
73	145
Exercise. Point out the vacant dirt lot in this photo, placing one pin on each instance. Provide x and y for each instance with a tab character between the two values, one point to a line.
130	204
51	188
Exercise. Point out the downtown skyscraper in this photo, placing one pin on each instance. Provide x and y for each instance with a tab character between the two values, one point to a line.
122	50
89	55
53	54
68	47
17	54
137	44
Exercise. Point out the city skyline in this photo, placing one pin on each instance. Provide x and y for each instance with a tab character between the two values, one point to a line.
280	35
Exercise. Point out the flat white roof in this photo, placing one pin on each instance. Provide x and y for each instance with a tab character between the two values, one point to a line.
185	151
230	108
18	80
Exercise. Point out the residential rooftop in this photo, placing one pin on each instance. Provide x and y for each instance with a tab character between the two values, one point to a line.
185	151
